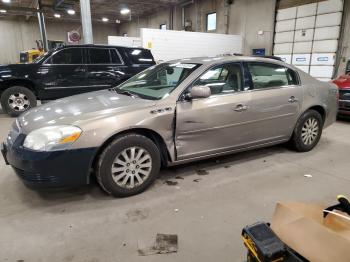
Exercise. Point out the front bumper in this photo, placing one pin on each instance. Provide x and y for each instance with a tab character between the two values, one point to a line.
65	168
344	107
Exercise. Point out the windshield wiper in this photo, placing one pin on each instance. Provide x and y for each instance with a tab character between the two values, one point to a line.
125	92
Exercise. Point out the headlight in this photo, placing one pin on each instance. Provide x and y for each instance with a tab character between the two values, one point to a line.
52	138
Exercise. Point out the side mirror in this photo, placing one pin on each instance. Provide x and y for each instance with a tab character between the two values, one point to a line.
200	92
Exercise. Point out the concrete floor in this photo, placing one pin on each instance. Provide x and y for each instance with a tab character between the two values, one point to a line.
86	225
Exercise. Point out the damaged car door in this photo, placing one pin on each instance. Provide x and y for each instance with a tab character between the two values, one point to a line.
215	124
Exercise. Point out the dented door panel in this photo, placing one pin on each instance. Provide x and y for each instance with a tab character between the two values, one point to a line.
211	125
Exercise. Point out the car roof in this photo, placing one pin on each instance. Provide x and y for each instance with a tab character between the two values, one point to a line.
228	58
100	45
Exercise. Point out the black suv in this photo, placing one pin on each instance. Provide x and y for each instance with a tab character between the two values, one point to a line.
67	71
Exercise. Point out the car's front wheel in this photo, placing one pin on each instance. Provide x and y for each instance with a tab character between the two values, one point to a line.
128	165
17	99
308	131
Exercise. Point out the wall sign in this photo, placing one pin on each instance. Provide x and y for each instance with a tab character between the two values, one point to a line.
258	51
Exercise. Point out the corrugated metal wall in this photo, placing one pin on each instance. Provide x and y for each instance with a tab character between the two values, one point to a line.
307	36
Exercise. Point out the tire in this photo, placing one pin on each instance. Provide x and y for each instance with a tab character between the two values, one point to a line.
125	180
307	131
26	100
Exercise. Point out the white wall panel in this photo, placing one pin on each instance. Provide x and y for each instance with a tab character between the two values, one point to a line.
325	33
285	48
285	25
301	59
284	37
304	35
330	6
325	46
302	47
125	41
170	44
305	22
321	71
303	68
323	59
285	14
328	19
307	10
286	58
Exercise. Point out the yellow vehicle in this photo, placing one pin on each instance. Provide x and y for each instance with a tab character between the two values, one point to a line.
30	55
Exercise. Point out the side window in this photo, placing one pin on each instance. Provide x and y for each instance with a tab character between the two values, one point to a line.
292	77
222	79
140	56
115	57
99	56
265	75
67	56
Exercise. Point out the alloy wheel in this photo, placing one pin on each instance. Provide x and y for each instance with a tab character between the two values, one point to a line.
131	167
18	102
309	131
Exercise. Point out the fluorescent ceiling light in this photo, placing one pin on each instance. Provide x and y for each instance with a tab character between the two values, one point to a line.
6	1
125	11
71	12
3	11
117	21
57	15
105	19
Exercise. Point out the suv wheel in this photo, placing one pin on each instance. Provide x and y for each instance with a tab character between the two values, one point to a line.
128	165
308	131
17	99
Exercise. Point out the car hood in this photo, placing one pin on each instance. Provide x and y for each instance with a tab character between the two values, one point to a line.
343	82
80	108
15	69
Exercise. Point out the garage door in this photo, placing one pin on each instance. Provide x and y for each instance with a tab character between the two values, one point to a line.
307	36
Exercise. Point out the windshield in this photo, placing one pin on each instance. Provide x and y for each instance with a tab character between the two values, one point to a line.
40	58
158	81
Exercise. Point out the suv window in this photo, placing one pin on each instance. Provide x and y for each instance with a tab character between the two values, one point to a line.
222	79
67	56
140	56
99	56
265	75
115	57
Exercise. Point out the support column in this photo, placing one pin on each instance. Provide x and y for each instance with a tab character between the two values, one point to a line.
86	21
42	27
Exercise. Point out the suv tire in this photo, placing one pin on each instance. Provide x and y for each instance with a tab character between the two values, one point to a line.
128	166
307	131
17	99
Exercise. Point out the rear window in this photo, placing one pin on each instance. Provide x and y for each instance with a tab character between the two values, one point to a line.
140	56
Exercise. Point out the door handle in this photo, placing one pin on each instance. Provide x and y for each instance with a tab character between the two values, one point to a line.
292	99
240	108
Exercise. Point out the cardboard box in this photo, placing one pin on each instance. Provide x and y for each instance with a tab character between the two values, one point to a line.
302	227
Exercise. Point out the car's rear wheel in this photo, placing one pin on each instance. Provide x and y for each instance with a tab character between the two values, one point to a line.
308	131
128	165
17	99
